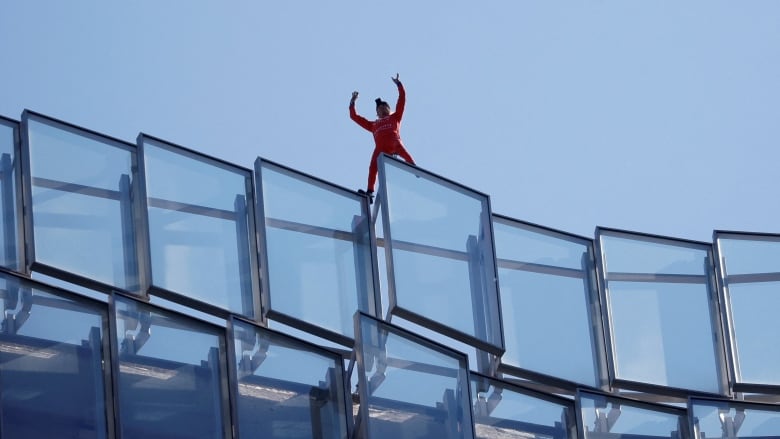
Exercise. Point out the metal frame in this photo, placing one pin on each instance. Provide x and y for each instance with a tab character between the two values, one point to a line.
710	282
382	325
374	305
676	411
404	313
571	428
301	344
20	257
144	233
26	185
732	354
732	404
594	310
98	308
193	324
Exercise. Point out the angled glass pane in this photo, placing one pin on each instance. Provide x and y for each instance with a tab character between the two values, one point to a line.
410	387
661	311
733	419
502	410
287	388
439	252
81	205
750	270
171	374
548	302
200	218
318	256
51	363
9	201
605	417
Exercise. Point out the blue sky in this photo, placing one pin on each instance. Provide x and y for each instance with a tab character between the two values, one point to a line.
654	116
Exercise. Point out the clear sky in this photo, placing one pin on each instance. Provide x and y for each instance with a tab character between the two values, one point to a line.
656	116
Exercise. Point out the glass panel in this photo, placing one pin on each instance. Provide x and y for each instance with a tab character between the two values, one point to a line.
661	313
750	254
750	264
505	411
9	254
199	227
318	250
546	299
51	354
410	388
603	417
81	203
440	236
733	420
170	374
287	389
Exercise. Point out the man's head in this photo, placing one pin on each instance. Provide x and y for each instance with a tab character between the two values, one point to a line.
382	108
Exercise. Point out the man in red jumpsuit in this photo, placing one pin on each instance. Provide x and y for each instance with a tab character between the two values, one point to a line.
386	130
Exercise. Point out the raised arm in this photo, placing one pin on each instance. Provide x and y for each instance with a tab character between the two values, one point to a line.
360	120
399	106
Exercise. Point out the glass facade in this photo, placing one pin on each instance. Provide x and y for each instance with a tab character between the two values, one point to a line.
438	241
317	251
549	303
186	287
660	302
200	219
750	275
80	202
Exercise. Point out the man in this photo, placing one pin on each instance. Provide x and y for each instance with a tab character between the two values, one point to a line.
386	130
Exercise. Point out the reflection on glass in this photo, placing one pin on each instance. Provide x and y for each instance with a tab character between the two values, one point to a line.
751	269
505	411
287	389
51	354
82	203
9	253
660	312
410	388
603	417
199	227
545	280
170	372
440	254
734	420
318	250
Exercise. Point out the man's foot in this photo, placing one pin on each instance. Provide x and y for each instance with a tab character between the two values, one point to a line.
369	194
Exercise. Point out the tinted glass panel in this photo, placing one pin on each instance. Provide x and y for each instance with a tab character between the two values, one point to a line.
751	266
613	418
169	374
442	253
51	374
9	252
287	389
81	203
730	419
408	387
199	227
318	250
505	411
546	300
661	312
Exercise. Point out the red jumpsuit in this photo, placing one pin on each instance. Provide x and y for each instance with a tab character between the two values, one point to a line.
386	135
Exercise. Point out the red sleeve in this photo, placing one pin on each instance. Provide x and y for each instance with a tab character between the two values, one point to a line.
399	106
360	120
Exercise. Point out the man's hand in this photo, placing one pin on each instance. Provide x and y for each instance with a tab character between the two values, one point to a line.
396	80
354	97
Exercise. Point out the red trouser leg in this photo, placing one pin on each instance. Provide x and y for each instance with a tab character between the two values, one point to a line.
400	150
372	170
